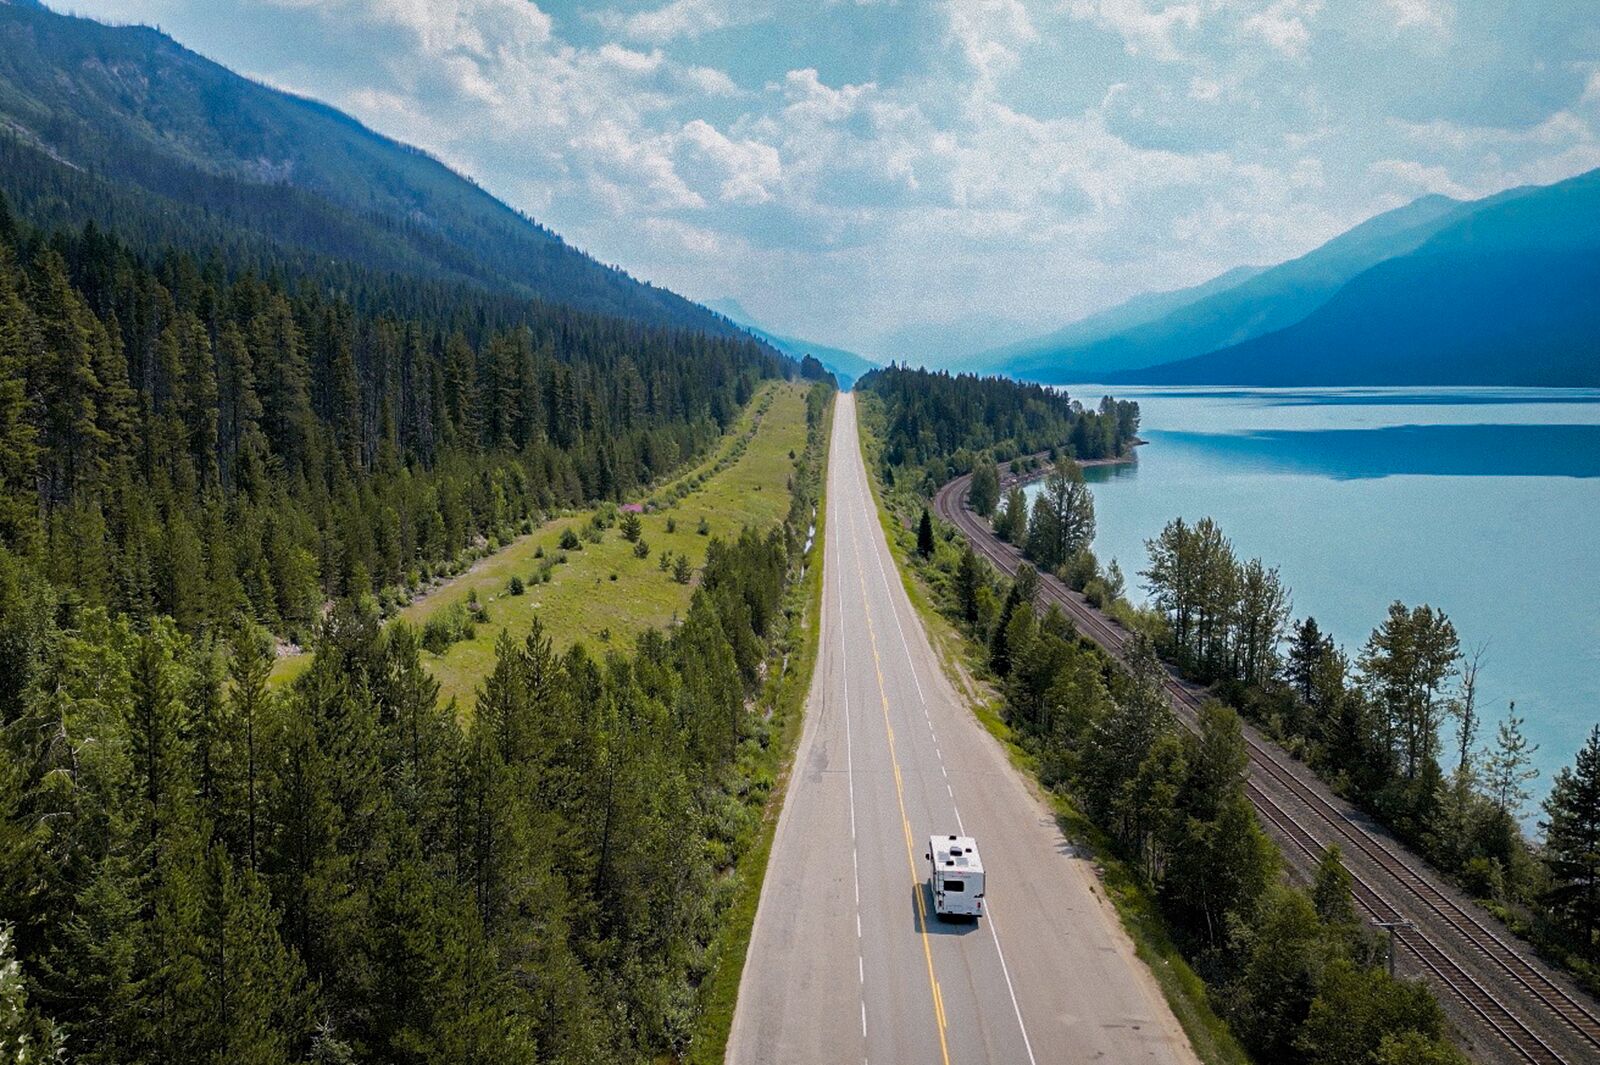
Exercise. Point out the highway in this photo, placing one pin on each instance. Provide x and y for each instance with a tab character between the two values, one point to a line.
846	961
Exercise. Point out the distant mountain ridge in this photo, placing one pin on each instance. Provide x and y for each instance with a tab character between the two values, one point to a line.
1218	313
1073	345
846	366
1439	291
1507	293
175	133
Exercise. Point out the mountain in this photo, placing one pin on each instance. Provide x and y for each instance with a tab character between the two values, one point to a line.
846	366
1506	293
124	127
1050	354
1259	303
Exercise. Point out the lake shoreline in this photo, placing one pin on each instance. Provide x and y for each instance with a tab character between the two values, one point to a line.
1011	480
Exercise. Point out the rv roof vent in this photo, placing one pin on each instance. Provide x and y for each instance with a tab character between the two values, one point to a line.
952	837
955	851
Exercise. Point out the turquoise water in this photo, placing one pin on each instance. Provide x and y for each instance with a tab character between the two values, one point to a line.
1483	502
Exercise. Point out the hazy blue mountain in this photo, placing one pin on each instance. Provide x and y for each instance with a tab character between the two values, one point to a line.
171	135
1506	294
1225	314
1052	352
845	366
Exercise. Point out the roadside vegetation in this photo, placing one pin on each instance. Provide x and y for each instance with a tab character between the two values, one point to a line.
1294	973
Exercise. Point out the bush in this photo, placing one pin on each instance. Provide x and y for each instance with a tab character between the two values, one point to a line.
682	572
704	528
641	549
672	525
665	561
515	587
594	534
570	541
538	552
1080	569
451	625
561	558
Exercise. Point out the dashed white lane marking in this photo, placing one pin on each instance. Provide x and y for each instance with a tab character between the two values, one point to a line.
911	661
850	778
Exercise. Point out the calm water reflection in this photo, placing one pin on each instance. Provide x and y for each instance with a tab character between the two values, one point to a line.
1483	502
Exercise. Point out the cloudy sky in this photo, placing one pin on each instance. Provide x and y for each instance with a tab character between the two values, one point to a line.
919	177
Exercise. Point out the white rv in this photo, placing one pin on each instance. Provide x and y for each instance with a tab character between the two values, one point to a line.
957	876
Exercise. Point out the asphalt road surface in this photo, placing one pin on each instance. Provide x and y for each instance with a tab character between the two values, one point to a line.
847	961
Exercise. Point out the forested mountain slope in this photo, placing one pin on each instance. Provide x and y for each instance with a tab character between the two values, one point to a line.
175	441
1507	294
124	126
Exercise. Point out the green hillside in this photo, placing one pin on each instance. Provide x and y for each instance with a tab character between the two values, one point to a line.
124	126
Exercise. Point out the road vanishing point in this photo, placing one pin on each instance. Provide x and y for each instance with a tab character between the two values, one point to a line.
847	961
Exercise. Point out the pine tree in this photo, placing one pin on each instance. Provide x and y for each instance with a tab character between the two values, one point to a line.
925	543
1330	890
983	492
1572	844
968	580
1509	766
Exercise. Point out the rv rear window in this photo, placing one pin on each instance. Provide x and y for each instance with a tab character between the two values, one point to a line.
955	885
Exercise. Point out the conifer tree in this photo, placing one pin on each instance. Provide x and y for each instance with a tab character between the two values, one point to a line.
1572	844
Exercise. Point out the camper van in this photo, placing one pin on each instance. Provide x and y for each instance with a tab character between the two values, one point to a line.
957	876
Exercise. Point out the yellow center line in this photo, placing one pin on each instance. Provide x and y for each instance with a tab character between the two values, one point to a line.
905	822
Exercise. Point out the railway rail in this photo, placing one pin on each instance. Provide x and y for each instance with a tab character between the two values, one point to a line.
1454	946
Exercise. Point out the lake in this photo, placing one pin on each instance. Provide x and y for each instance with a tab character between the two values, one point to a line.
1483	502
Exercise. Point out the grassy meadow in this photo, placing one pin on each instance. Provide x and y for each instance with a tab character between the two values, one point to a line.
603	594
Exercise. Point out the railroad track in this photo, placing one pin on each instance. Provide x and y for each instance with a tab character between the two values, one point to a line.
1562	1017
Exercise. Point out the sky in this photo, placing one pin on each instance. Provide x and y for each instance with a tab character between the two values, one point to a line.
924	178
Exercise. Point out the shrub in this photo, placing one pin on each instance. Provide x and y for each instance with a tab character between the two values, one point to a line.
451	625
515	587
594	534
672	525
704	528
664	562
569	540
682	572
538	552
632	527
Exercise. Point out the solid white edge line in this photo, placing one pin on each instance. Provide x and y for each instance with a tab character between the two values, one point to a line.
994	931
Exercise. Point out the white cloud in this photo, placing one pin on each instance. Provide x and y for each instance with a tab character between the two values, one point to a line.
1204	89
682	19
1144	31
1417	177
989	33
751	167
1436	15
1284	25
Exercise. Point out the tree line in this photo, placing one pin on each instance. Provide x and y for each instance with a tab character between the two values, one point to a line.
937	424
179	437
1398	728
196	867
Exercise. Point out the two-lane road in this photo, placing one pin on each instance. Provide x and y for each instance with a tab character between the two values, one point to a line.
847	962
